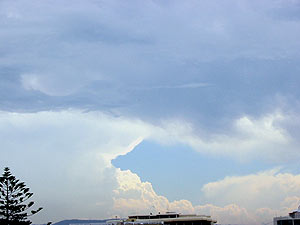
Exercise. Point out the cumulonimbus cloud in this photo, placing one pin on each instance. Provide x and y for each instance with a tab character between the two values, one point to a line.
81	145
251	199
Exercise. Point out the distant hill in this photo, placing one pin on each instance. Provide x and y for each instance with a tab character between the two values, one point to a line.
68	222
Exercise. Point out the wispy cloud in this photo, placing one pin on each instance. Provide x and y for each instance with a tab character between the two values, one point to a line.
180	86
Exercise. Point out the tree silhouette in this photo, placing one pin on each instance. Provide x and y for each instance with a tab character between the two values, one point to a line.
13	200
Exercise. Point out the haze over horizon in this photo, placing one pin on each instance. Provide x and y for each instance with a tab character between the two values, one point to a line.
110	107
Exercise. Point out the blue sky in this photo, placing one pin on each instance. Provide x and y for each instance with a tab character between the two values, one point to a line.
182	179
94	92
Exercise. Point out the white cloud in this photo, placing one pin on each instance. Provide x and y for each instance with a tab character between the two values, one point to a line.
251	199
249	138
72	150
181	86
135	196
132	196
265	194
69	150
229	214
49	85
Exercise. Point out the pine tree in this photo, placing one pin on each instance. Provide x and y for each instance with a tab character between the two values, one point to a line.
14	196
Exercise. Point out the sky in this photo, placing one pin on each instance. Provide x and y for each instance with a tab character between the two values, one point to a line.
111	108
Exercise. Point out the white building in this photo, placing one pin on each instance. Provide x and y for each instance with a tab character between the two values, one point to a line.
292	219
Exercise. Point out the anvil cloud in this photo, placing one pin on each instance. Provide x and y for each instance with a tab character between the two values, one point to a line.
83	82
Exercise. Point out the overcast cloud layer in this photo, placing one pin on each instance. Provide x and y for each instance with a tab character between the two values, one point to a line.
82	82
209	61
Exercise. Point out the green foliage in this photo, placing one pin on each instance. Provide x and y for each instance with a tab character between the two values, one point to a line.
14	196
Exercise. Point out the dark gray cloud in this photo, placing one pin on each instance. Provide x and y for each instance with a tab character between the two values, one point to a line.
147	59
